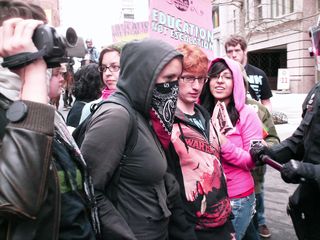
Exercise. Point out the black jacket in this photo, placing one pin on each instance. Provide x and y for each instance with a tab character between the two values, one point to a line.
141	210
304	145
31	185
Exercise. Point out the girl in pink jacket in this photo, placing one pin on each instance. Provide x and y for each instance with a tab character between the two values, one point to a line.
226	85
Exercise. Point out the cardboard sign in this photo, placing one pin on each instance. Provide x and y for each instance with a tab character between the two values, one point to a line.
129	31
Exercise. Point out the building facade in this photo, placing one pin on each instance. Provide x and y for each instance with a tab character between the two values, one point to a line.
278	36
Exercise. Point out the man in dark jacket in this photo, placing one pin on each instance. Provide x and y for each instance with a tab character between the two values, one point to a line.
43	175
304	147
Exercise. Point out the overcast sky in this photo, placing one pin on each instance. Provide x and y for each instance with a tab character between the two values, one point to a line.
94	18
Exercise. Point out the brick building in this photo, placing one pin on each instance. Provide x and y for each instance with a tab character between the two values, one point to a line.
277	33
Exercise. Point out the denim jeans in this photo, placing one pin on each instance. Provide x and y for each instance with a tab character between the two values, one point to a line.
260	208
243	210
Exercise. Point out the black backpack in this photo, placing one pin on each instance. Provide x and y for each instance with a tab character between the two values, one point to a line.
117	98
79	134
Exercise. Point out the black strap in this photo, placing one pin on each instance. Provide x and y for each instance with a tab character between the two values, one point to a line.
122	100
22	59
132	137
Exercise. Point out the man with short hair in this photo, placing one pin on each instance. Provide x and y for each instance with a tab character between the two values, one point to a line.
194	159
92	51
259	89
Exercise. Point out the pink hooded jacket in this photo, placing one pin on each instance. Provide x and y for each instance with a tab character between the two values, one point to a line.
236	160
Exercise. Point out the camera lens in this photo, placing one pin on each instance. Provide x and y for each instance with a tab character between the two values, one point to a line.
71	37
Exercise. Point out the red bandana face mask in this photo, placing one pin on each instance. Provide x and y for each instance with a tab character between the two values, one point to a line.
164	104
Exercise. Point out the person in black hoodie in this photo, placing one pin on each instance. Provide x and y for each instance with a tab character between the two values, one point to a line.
148	82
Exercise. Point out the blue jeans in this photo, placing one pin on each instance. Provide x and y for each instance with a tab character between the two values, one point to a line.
260	208
243	210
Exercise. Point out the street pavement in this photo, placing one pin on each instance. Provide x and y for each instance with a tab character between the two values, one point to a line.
276	190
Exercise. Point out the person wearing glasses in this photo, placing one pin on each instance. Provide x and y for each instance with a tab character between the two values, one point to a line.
109	68
226	84
194	158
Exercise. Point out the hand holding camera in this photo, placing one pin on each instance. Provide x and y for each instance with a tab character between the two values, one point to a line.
50	46
15	36
16	39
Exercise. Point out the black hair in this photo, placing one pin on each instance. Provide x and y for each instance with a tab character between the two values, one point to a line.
87	84
207	99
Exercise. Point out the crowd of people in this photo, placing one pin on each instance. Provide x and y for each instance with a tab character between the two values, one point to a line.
176	150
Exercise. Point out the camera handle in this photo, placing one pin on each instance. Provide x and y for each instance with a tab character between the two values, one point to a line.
22	59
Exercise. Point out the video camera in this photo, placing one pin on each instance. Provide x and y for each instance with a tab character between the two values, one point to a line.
55	48
58	47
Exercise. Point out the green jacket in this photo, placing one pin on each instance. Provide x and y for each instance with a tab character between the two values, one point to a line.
270	136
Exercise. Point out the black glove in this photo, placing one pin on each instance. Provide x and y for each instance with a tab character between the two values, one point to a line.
257	150
296	172
289	172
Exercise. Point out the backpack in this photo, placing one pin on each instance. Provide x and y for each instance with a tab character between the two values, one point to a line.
117	98
79	134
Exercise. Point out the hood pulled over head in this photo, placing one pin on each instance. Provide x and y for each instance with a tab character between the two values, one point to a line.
239	91
141	63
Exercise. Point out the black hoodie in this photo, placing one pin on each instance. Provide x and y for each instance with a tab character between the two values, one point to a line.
141	211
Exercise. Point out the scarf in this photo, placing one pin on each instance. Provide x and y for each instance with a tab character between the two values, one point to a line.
106	93
163	106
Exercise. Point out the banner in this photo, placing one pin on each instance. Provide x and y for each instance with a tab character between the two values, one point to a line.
183	21
129	31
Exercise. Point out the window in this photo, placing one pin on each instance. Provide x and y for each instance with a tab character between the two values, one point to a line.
281	7
247	11
215	17
234	21
259	10
128	16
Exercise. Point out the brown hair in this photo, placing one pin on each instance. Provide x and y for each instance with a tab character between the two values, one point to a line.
10	9
111	48
194	59
234	40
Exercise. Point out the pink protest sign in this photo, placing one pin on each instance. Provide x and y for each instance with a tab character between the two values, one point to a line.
183	21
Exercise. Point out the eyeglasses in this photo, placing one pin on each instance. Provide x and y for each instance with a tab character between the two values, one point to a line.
222	77
112	68
192	79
